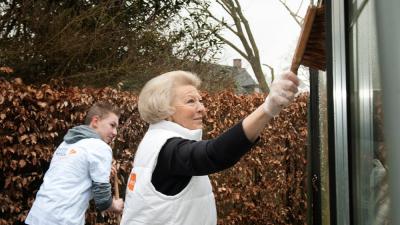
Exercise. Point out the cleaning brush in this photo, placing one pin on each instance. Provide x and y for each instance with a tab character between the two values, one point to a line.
310	49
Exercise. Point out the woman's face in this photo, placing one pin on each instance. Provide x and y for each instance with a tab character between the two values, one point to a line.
189	110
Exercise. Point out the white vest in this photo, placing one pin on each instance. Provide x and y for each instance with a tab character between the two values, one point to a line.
194	205
66	190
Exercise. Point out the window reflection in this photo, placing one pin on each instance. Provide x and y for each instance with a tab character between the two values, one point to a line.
379	174
369	170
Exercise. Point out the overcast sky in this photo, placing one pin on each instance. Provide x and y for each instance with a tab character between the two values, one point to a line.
275	33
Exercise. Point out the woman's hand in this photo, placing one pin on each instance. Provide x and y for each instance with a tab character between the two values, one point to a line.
282	92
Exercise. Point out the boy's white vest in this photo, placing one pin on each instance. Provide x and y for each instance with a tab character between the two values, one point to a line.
194	205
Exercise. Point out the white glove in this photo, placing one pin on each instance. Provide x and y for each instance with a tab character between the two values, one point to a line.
282	92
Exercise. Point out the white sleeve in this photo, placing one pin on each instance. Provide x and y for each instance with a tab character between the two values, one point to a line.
100	159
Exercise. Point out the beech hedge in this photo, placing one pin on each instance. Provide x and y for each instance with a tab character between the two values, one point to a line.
267	186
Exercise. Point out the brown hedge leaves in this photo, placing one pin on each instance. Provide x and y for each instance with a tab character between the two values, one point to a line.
267	186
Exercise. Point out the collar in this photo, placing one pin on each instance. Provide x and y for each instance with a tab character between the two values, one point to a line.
194	135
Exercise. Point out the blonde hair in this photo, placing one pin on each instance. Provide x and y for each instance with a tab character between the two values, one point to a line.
157	94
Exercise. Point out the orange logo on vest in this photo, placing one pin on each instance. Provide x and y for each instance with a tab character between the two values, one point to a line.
72	152
132	181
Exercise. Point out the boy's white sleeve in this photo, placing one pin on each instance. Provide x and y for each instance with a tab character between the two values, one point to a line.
100	159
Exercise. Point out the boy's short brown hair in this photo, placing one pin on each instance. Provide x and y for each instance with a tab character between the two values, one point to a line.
101	109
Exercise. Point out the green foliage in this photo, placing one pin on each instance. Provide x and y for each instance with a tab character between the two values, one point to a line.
96	43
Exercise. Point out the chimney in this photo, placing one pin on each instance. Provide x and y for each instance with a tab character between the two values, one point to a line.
237	63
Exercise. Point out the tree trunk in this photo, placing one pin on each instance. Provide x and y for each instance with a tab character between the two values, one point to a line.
255	64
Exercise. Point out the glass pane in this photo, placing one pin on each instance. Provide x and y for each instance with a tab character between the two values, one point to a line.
368	154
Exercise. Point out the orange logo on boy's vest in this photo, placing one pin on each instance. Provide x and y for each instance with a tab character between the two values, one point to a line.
132	181
72	152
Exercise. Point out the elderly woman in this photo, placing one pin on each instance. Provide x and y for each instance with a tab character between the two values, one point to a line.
169	183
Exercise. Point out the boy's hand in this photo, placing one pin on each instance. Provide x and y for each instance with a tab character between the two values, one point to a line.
117	205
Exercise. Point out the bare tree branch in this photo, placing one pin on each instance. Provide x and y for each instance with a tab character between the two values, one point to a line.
298	8
237	23
233	46
228	10
221	22
293	14
248	30
272	71
242	31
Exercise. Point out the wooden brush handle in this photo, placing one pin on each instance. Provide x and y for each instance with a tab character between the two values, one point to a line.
116	190
303	39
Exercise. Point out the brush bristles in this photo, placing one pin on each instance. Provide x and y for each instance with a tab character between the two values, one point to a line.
315	54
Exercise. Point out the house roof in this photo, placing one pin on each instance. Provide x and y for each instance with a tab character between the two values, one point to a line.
243	77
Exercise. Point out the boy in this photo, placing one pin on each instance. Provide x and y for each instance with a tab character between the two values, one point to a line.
79	170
